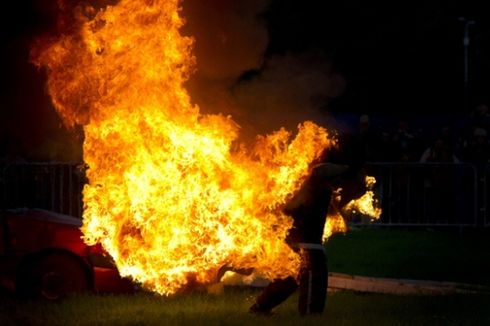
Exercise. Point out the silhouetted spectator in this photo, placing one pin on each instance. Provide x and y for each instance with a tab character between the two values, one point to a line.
386	151
480	117
477	150
369	139
405	142
439	151
440	182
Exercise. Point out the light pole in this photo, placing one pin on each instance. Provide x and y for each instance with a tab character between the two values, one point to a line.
466	44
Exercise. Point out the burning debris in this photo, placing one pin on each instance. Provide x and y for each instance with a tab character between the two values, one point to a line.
171	194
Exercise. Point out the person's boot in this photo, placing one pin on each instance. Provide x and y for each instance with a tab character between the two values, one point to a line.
257	310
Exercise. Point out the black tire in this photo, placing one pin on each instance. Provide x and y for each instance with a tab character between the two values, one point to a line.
52	276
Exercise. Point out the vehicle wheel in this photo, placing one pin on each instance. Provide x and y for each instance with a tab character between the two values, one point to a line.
52	276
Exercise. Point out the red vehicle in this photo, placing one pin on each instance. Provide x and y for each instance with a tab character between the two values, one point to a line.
42	255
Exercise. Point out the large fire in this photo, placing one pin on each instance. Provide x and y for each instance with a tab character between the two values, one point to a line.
171	194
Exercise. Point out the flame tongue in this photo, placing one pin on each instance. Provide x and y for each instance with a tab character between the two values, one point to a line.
167	196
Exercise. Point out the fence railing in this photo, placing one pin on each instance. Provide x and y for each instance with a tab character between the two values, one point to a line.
431	194
52	186
428	194
485	194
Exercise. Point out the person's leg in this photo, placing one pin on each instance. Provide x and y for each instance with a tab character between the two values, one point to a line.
273	295
313	283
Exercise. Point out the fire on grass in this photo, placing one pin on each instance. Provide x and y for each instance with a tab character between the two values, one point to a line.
170	194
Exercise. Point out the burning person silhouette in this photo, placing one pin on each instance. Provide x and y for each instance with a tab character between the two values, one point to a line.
308	208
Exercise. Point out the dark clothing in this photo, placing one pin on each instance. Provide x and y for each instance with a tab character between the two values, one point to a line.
274	294
312	280
308	209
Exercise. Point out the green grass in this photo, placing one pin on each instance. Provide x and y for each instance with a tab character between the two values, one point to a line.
442	255
230	308
435	255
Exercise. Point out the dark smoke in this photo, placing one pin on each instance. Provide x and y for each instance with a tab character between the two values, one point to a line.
30	128
235	77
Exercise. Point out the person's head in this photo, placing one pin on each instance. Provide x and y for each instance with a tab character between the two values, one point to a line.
364	123
349	151
328	176
439	145
479	135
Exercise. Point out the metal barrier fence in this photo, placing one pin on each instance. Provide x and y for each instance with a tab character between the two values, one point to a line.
428	194
486	193
52	186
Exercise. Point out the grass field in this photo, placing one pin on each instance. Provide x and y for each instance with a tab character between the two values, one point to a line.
377	252
438	255
230	308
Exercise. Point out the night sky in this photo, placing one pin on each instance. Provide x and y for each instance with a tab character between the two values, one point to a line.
407	56
394	59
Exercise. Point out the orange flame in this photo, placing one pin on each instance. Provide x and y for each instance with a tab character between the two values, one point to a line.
170	194
367	204
335	224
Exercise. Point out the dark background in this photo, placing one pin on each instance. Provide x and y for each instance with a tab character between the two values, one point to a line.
404	56
398	59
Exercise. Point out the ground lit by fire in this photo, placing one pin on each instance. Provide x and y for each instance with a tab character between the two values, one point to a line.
172	195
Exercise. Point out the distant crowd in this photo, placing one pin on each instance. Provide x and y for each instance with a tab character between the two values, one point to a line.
439	194
466	140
